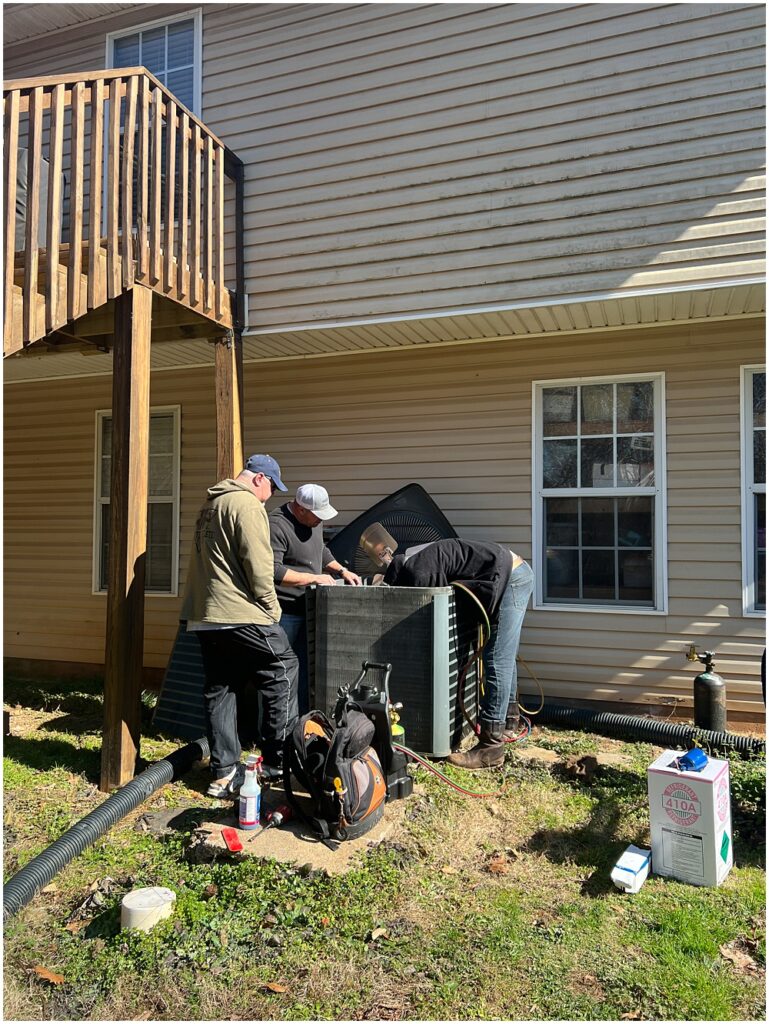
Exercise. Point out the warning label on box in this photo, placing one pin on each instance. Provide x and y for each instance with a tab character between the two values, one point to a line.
683	854
681	803
722	798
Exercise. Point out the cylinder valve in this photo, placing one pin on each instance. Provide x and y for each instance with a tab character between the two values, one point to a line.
709	693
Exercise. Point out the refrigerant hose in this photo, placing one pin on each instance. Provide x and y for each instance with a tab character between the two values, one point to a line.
484	633
444	778
21	888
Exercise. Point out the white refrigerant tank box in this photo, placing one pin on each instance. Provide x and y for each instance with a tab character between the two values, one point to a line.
691	820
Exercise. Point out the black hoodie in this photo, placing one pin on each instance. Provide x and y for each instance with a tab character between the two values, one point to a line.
484	568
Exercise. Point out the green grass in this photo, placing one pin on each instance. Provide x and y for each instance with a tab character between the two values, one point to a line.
547	938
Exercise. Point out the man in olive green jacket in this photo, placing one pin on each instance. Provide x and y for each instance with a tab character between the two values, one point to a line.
230	602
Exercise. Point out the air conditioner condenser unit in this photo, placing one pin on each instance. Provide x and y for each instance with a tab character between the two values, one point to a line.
417	630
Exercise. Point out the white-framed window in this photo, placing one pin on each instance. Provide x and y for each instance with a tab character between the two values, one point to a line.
162	562
171	49
753	448
599	493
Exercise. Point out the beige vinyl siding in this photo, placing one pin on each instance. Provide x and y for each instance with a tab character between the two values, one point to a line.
404	159
458	421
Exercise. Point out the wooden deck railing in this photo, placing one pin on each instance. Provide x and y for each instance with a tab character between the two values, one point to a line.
109	180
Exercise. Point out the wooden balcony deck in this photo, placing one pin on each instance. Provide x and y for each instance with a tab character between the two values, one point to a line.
114	235
123	185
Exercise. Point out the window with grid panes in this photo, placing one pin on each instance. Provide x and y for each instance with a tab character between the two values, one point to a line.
598	492
162	509
754	487
169	51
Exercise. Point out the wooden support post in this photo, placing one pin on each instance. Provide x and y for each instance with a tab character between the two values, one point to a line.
127	536
229	405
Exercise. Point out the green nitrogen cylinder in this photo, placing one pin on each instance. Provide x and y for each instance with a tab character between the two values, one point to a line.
710	701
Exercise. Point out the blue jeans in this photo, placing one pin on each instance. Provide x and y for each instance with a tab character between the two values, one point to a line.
499	654
295	627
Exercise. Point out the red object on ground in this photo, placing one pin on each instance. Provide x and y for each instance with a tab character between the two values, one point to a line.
230	837
284	810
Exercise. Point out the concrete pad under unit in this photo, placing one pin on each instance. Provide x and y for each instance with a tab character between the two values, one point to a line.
294	842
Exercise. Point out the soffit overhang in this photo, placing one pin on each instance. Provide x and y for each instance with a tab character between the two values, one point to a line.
589	314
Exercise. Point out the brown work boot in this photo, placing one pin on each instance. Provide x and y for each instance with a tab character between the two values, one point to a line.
489	752
512	722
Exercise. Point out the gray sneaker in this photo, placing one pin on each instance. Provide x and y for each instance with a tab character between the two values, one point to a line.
227	787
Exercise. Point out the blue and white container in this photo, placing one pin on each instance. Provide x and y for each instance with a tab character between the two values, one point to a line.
631	870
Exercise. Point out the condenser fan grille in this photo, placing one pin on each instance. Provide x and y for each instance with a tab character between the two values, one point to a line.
408	528
410	515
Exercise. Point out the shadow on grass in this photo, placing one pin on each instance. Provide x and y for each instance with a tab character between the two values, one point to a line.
42	754
749	840
78	724
75	696
595	843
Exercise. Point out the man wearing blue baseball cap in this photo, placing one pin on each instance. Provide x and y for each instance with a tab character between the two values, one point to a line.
230	602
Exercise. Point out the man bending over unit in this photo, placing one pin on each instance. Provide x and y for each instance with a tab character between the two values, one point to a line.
502	582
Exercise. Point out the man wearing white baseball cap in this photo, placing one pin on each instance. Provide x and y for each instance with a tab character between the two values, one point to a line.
301	559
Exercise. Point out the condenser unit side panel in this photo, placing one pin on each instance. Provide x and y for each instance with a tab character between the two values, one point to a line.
462	639
441	739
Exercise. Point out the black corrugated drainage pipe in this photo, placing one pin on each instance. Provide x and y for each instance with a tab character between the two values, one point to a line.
19	890
647	730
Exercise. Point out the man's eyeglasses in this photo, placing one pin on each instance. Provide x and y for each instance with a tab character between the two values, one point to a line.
273	485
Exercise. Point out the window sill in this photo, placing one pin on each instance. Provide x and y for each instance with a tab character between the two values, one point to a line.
599	609
147	593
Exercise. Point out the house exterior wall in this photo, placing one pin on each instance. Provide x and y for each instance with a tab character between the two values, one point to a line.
408	159
457	419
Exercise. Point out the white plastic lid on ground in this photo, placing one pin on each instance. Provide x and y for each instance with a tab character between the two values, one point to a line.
143	908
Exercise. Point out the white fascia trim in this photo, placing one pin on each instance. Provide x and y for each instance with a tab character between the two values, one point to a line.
531	304
449	342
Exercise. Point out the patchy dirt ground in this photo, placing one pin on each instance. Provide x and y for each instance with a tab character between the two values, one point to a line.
491	908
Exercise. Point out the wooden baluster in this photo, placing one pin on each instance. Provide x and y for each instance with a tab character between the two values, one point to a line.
113	190
10	169
197	209
209	226
96	282
219	207
31	241
76	202
129	138
184	171
53	225
156	215
144	177
168	254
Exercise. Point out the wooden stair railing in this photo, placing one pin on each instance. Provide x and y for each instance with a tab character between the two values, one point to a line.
123	185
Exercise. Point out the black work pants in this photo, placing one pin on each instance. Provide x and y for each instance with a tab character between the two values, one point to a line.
232	658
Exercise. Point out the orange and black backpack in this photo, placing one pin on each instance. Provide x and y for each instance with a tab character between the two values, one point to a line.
339	770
